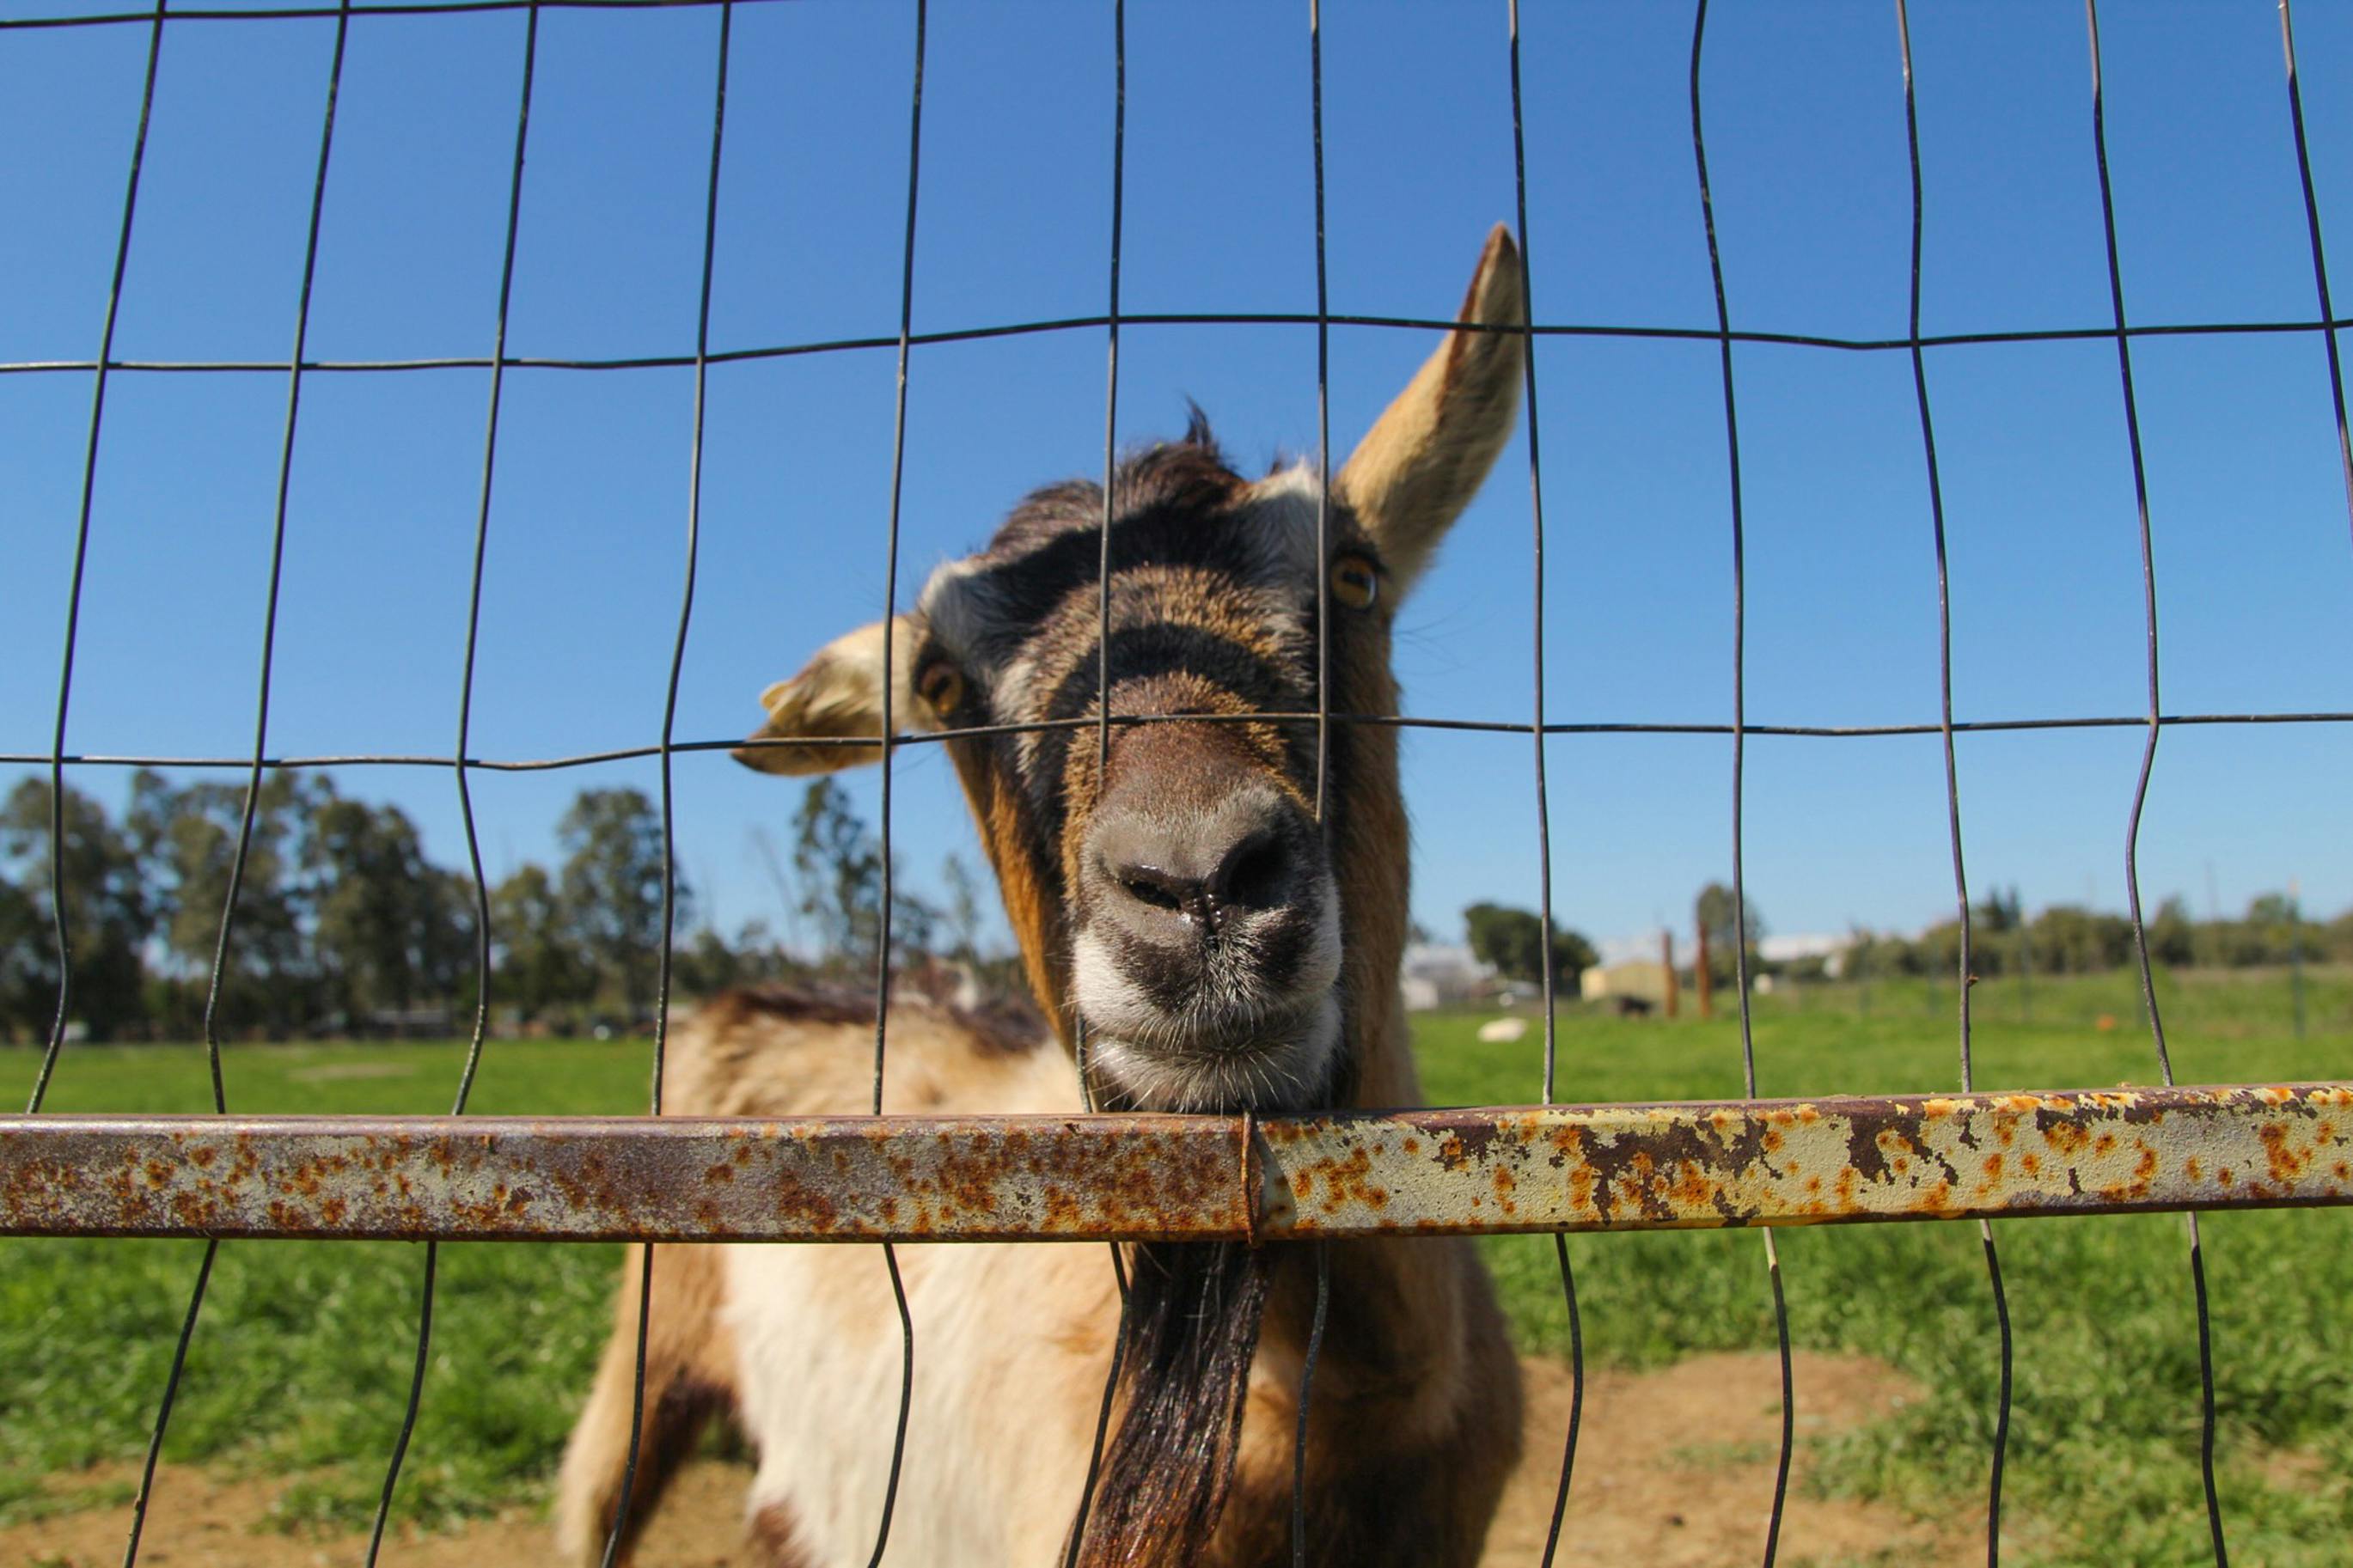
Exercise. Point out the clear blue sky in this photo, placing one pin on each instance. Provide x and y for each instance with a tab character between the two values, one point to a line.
1804	108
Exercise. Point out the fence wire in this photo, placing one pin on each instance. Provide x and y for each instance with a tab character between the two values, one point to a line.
1739	763
1544	800
481	888
1963	968
1539	728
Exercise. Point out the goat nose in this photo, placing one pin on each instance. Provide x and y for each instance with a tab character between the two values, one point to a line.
1201	867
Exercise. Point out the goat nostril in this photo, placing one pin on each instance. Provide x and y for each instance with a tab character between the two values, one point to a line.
1146	892
1254	876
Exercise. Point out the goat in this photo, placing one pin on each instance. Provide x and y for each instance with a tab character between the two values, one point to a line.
1223	948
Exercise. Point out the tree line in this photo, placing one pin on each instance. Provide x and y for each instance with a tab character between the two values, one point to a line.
2005	939
2070	939
344	926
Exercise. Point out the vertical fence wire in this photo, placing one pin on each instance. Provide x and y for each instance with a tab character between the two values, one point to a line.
253	777
465	791
669	719
1077	1538
889	677
163	1410
1544	805
1739	758
1111	470
1322	710
1964	977
2319	255
73	589
2147	761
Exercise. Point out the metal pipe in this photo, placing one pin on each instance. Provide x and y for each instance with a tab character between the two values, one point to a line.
1518	1169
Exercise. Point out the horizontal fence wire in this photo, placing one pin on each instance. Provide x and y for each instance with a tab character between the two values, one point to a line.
392	8
986	731
2322	325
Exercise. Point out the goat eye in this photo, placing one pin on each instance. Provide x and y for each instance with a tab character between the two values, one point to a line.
940	684
1354	583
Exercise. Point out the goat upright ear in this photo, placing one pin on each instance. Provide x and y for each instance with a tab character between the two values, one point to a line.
1426	455
839	694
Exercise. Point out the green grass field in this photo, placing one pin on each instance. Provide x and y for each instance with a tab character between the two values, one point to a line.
303	1355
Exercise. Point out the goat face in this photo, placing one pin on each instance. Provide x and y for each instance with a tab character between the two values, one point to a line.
1175	893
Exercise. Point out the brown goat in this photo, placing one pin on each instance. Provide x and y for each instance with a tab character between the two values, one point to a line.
1225	949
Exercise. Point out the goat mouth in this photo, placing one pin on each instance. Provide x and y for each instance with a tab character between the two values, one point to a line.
1260	1059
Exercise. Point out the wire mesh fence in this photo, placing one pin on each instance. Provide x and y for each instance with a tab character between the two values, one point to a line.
1127	1177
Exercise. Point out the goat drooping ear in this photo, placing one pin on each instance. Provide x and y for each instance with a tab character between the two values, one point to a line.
1426	455
839	693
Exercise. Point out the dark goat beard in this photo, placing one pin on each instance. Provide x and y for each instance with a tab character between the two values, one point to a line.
1188	1335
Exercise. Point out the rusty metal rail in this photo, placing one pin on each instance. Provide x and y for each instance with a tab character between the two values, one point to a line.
1612	1167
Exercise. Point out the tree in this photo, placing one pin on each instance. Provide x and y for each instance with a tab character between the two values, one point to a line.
2172	935
2335	938
1999	913
1712	911
188	838
840	864
28	980
104	899
2270	909
2073	940
1936	952
962	916
538	967
1712	915
389	929
1513	941
1572	955
706	964
611	888
840	870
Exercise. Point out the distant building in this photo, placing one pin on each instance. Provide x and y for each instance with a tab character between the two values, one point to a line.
1435	975
1645	980
1831	948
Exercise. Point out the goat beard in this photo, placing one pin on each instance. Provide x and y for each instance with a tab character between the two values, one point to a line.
1189	1333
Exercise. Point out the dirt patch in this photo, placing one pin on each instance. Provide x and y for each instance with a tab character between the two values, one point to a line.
204	1520
1674	1469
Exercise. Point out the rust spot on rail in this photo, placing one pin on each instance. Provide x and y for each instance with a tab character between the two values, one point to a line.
1608	1167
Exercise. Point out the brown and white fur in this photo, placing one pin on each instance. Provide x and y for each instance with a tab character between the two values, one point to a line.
1225	950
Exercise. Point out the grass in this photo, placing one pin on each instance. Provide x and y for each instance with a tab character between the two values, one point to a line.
2103	1455
301	1362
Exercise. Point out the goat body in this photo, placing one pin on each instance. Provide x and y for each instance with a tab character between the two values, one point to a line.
1227	930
